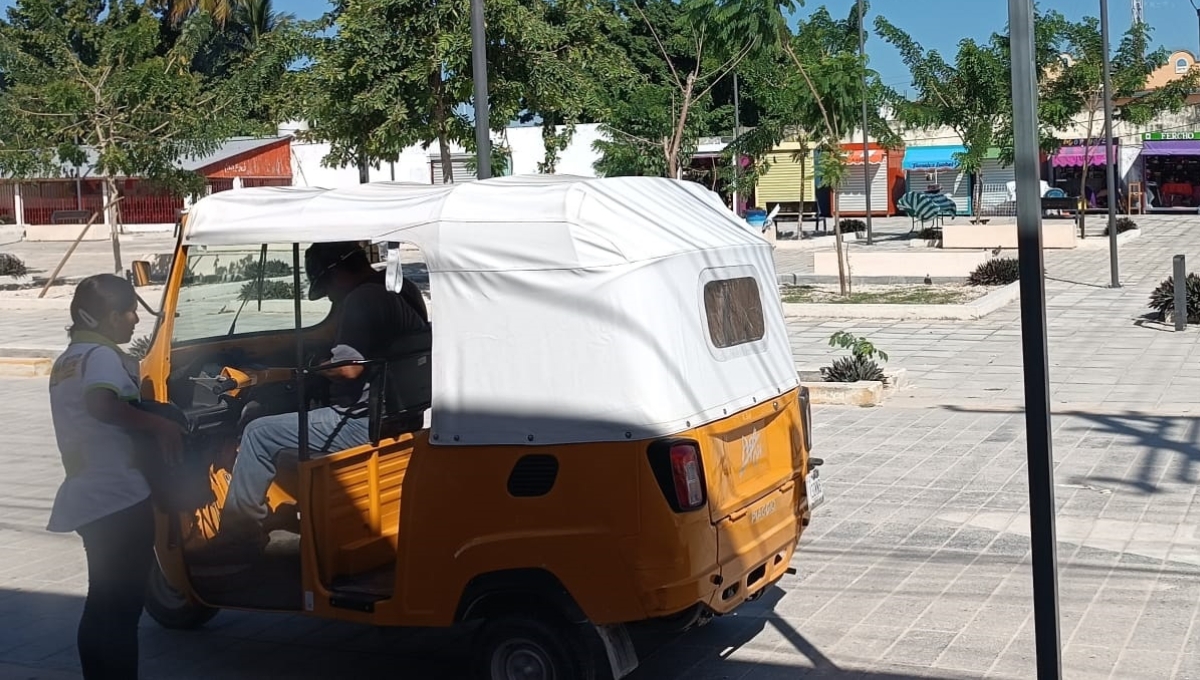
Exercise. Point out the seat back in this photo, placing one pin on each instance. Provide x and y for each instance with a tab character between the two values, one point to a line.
402	388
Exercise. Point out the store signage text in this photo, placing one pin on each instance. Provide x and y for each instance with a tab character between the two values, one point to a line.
1168	136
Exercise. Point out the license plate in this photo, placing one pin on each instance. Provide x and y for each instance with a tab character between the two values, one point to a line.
816	494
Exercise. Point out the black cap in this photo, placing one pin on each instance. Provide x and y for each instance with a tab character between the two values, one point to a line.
322	258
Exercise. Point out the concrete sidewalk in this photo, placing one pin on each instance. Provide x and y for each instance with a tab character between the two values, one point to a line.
918	566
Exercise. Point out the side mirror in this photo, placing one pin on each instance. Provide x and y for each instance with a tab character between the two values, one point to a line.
140	274
395	273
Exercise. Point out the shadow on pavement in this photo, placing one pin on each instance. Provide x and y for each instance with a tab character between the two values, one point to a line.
38	641
1169	441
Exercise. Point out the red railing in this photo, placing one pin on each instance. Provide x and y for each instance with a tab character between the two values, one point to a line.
142	203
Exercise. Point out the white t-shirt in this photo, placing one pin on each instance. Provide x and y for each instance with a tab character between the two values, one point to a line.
98	457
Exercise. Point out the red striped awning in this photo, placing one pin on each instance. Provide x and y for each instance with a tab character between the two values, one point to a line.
855	157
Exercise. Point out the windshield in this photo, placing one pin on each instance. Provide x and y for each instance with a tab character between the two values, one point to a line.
243	283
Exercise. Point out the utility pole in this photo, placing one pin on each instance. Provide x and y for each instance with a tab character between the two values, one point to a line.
1197	8
1110	167
483	140
862	56
1039	453
737	132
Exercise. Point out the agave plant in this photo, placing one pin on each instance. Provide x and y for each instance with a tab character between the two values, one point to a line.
860	365
853	369
139	347
11	265
998	271
1162	300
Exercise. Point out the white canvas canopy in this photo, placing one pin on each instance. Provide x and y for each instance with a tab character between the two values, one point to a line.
568	309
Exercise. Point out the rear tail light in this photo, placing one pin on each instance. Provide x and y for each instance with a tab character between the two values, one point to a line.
679	471
806	418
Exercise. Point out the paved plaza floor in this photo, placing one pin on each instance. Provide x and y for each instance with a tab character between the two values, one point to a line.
918	566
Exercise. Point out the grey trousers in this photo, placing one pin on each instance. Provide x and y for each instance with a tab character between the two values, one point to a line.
259	459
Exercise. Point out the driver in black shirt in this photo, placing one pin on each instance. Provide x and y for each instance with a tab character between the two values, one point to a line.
370	319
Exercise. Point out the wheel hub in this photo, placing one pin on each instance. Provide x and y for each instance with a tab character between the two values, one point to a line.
522	660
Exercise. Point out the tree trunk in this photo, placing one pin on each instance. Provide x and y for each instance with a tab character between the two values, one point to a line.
1087	150
676	143
113	217
440	114
364	168
839	245
803	171
977	200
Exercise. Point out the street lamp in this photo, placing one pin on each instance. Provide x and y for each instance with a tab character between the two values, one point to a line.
737	156
483	140
1040	461
1197	13
862	56
1110	167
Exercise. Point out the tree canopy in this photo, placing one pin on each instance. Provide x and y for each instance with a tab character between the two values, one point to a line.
92	83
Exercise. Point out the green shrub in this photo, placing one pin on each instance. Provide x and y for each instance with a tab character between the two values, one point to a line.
1162	300
1123	224
852	227
998	271
860	365
271	290
11	265
930	234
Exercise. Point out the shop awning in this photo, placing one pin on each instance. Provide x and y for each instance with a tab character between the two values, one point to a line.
931	157
855	157
1073	156
1173	147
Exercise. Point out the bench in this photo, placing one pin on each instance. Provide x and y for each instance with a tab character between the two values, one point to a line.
70	216
1063	203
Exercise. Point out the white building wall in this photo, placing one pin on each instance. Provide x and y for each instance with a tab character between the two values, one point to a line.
414	164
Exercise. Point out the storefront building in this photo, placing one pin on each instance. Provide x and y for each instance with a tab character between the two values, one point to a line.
1080	158
1171	169
885	169
936	169
787	181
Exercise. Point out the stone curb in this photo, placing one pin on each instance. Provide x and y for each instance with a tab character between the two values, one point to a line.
813	242
34	304
25	367
975	309
1101	242
862	393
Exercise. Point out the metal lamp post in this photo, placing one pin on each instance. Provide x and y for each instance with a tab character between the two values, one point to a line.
1197	8
737	156
483	140
1110	168
862	55
1048	641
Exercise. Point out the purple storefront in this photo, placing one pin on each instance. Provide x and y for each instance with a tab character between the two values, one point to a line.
1079	158
1171	168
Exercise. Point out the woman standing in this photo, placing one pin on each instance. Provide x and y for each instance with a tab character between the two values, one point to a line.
104	498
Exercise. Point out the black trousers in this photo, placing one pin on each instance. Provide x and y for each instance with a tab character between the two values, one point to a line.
120	554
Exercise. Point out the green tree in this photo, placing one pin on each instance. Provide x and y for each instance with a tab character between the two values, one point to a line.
398	73
826	103
393	73
90	82
682	52
968	96
548	63
972	96
1079	87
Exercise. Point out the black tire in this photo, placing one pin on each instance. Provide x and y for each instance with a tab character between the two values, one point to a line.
171	608
525	647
